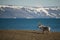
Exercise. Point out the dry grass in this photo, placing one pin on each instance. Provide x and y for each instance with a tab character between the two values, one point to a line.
28	35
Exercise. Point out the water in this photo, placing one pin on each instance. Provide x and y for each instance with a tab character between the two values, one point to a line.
28	24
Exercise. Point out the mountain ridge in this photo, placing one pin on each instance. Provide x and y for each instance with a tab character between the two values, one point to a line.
28	12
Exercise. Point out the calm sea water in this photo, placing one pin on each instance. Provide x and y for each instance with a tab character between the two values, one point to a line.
28	24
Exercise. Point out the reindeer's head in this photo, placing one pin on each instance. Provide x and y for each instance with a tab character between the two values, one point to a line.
40	26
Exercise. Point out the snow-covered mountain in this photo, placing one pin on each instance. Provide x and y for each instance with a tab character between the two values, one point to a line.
10	11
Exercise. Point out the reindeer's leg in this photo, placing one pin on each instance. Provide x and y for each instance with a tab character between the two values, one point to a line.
42	31
49	31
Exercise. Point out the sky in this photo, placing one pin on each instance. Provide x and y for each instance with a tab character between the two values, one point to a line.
31	2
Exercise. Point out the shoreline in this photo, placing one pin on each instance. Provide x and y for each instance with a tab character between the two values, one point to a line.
28	35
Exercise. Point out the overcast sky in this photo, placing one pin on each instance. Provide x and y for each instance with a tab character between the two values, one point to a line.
31	2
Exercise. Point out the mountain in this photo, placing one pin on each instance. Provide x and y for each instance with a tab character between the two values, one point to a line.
10	11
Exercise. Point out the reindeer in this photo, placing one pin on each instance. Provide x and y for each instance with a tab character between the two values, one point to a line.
44	28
